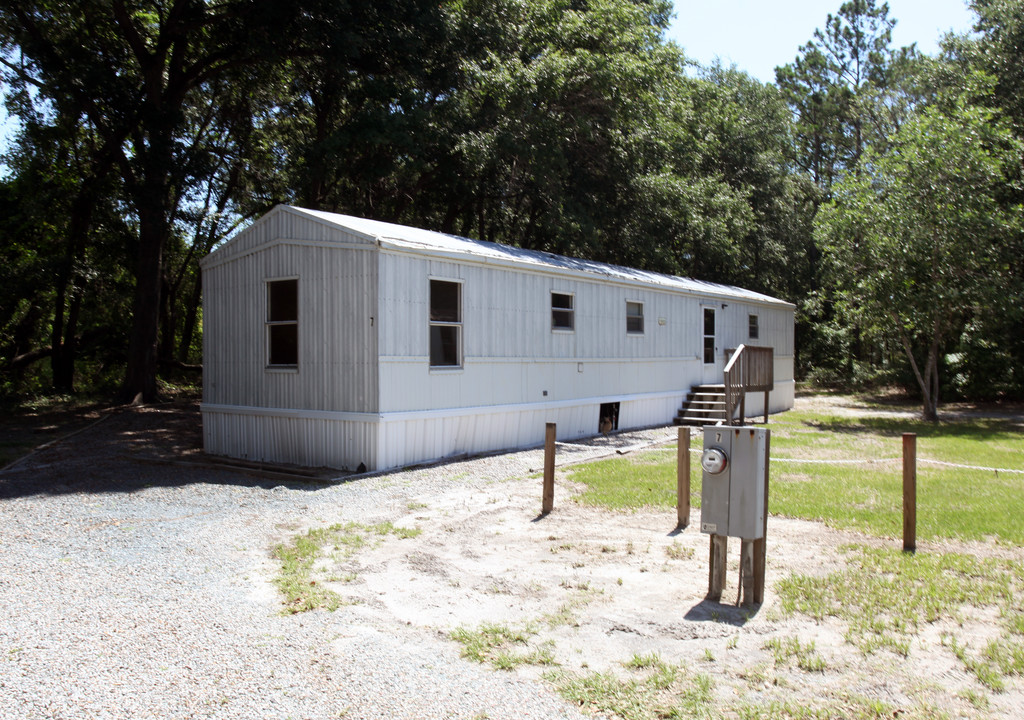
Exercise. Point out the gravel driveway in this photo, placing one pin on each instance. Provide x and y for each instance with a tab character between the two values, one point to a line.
136	581
134	588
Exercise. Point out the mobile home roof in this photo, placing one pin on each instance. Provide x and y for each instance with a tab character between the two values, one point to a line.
402	237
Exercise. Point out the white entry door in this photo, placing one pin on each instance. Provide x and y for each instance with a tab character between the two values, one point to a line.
710	347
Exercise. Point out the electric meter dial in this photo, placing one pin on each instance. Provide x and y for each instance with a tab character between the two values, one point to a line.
713	461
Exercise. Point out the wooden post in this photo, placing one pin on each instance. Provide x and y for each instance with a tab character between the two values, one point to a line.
549	469
766	392
909	492
746	591
717	566
683	478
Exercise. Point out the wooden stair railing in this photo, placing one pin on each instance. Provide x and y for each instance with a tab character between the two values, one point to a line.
750	369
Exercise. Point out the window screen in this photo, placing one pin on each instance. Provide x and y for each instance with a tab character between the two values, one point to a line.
634	317
283	323
709	336
754	330
445	323
562	312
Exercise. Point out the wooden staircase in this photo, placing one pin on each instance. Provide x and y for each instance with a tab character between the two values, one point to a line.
704	405
749	369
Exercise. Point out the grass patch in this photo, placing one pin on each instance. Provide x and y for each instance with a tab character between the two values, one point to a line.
999	659
952	502
786	649
642	662
675	551
565	615
645	479
485	642
846	707
304	565
504	647
542	655
865	496
654	689
886	595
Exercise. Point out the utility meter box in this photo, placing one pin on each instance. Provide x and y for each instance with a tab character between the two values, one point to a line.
732	501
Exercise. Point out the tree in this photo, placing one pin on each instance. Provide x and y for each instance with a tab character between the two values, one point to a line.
131	71
63	182
848	90
831	84
819	105
990	356
749	145
355	99
930	227
557	125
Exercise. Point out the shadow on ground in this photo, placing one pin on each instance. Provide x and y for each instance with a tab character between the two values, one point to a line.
718	612
127	449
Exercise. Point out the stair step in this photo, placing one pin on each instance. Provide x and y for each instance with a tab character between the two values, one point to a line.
704	405
699	422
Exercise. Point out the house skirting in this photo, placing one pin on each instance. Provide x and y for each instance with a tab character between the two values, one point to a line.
381	441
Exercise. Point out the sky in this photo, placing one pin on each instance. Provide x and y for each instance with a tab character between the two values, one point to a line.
757	35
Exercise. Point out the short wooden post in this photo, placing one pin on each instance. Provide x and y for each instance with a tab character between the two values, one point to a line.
909	492
746	592
549	468
683	478
717	566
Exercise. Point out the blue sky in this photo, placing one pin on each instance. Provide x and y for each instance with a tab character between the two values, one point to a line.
757	35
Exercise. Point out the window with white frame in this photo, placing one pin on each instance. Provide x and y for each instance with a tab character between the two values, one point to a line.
634	318
753	331
563	311
445	323
283	323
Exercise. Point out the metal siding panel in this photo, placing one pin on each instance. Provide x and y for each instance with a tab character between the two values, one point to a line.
302	441
404	295
284	224
337	342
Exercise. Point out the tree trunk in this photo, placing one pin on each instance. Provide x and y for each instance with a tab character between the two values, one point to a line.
64	371
57	357
62	337
931	410
168	321
191	313
927	382
140	375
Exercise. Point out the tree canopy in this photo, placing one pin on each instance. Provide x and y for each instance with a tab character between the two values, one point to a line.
149	131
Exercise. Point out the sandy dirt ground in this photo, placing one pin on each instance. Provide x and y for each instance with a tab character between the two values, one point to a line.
634	585
624	584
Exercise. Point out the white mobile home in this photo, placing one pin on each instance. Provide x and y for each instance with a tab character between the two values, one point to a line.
339	341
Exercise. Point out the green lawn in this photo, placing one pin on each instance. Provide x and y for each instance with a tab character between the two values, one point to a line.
812	476
846	472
